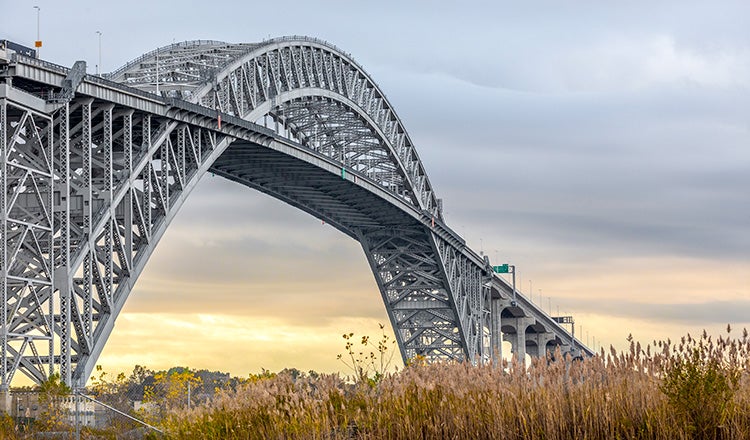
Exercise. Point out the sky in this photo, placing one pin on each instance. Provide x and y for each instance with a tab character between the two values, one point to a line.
603	149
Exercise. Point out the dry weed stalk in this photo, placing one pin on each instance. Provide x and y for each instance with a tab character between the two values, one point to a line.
634	394
691	388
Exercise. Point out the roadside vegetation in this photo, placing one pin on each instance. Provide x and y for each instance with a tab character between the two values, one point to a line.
694	388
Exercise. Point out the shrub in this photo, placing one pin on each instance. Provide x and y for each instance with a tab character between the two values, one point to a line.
700	384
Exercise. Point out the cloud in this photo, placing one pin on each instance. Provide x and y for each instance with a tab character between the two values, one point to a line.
693	314
602	148
233	250
640	170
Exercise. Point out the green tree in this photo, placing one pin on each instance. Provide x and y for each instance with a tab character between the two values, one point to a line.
171	390
53	414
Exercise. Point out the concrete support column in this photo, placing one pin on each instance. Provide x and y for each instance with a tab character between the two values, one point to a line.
519	350
541	340
496	341
518	339
568	351
532	349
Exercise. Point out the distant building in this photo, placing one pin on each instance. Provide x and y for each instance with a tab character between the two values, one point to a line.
27	408
25	405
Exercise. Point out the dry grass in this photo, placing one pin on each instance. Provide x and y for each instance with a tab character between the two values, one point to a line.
696	388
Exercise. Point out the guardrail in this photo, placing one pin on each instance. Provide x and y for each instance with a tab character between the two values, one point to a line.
225	117
62	70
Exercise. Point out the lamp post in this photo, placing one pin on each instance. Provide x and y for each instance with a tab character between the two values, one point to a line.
99	66
38	42
157	71
513	303
531	292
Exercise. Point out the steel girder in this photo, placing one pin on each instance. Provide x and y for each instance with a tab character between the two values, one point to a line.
421	308
89	192
124	190
91	184
26	233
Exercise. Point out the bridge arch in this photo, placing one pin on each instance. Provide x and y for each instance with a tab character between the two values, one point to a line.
253	80
129	150
369	184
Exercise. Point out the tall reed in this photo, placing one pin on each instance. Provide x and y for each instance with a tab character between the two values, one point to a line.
694	388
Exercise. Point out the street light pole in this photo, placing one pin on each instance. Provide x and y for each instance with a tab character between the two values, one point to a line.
157	71
513	267
99	66
38	42
531	292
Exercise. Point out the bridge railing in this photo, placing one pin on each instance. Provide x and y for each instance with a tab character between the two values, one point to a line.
322	42
287	38
132	90
250	47
191	43
225	117
38	62
89	78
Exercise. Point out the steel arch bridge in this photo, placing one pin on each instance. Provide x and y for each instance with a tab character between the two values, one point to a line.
95	168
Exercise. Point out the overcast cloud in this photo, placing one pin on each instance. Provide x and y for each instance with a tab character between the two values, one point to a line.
604	150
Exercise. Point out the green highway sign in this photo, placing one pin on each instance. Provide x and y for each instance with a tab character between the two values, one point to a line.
501	269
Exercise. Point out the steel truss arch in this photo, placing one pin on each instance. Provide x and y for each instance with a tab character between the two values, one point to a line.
92	182
239	78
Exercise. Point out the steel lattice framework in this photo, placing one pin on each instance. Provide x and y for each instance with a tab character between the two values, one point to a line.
95	169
